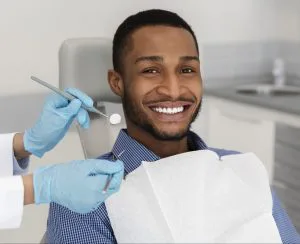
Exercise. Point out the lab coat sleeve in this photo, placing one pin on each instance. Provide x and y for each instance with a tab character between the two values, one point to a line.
11	187
6	155
11	202
8	163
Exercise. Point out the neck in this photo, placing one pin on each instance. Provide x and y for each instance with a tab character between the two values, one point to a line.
161	148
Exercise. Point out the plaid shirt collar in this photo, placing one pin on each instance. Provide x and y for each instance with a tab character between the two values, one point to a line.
132	153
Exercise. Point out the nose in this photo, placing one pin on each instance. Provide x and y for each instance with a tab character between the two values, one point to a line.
170	86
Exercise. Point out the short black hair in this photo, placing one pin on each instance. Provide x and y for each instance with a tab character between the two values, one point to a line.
141	19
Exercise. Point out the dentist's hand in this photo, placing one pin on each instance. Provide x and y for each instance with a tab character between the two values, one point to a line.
55	120
77	185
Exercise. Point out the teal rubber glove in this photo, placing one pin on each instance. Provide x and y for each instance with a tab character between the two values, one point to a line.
77	185
56	118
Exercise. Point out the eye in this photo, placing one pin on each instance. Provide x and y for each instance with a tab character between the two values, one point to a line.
150	71
187	70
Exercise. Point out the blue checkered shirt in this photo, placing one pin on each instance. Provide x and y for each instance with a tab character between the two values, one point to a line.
65	226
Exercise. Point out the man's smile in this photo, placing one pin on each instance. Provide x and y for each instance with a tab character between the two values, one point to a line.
171	111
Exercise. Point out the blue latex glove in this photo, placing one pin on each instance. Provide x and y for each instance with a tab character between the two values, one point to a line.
77	185
55	120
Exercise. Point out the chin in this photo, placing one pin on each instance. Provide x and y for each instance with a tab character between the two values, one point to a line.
170	135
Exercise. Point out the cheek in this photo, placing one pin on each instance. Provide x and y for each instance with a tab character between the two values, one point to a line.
200	91
141	88
196	89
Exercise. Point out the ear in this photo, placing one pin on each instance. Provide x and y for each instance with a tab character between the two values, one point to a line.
115	82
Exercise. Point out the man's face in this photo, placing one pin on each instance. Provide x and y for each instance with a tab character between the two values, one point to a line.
162	81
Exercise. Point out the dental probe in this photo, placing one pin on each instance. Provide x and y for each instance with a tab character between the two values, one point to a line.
113	119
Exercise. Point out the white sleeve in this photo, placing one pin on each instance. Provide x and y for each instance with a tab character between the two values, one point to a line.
11	202
8	163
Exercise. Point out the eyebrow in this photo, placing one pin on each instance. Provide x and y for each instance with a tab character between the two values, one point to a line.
149	58
161	59
189	58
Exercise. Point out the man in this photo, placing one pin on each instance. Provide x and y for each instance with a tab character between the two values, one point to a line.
157	75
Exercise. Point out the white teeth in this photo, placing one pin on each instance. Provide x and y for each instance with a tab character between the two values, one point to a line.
169	110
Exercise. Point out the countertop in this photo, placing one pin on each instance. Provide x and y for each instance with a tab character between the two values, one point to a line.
283	103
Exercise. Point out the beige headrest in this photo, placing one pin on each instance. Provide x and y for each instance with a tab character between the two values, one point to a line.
83	63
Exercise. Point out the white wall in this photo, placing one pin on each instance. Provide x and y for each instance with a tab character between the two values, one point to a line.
33	30
288	15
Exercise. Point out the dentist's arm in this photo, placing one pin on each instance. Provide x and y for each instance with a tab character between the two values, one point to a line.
18	146
76	185
28	189
55	120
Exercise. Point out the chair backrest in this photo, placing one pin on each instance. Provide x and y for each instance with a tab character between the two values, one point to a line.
84	63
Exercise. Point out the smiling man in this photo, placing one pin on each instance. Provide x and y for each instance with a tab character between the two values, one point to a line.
157	75
159	81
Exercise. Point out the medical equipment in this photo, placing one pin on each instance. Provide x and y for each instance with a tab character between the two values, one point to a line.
83	64
110	177
107	183
113	119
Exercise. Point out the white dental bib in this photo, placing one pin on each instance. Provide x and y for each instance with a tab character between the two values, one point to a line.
195	197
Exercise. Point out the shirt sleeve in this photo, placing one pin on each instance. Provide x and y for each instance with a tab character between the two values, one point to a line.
9	165
11	202
285	227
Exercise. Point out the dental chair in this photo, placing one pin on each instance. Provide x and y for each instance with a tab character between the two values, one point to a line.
83	63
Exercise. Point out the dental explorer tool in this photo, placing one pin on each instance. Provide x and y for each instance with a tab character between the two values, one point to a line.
109	178
111	175
113	119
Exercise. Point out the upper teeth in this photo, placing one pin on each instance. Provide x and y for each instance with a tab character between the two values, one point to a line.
168	110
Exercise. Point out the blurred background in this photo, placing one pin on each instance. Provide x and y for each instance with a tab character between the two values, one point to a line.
250	58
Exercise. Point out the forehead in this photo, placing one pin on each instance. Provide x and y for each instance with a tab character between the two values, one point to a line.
163	41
